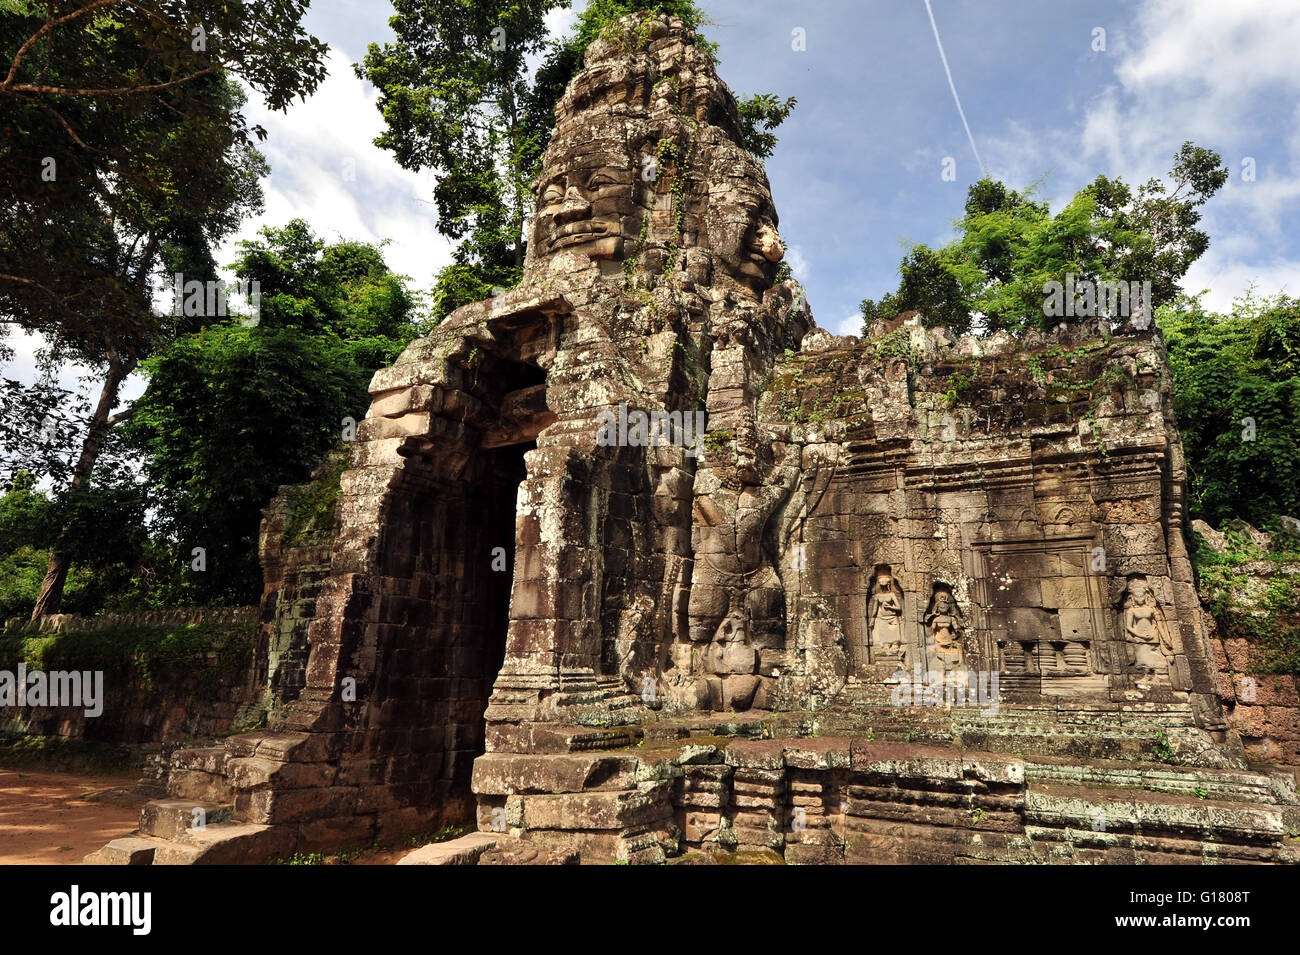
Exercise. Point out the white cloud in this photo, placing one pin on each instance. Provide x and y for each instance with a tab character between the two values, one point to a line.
798	264
1213	73
1226	50
848	325
326	169
560	20
1226	278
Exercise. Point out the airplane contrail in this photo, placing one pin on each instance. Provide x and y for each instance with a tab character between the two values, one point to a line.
955	98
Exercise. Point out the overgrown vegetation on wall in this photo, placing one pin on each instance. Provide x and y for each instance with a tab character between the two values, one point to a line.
1237	397
1254	594
141	658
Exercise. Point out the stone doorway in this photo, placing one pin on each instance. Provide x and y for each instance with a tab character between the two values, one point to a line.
410	630
462	542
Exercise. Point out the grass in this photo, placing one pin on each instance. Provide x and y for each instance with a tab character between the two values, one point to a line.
1162	749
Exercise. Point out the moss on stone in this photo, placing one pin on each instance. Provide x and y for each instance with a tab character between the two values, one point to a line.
1252	598
311	506
717	442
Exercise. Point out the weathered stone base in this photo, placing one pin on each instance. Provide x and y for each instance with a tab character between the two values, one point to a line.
837	800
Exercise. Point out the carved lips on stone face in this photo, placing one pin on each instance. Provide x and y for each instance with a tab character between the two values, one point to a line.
583	210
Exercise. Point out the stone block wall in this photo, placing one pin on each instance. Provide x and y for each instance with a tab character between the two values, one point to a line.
1263	708
153	696
837	800
1029	494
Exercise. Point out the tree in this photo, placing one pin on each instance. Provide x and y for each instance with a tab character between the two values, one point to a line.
454	94
125	153
91	100
205	180
1237	399
103	527
1010	247
759	115
232	412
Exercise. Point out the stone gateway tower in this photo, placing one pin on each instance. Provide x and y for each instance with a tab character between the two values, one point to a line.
633	560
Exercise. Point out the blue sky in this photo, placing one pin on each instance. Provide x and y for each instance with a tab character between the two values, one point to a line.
857	172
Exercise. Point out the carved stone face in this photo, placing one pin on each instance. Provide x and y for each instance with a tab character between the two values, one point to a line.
1139	591
943	602
596	187
583	210
762	248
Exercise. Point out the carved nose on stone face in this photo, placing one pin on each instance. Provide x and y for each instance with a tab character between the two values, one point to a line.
575	206
768	242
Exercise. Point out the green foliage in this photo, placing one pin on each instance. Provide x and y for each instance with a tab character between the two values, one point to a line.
142	656
718	441
233	412
759	115
102	528
126	157
229	415
1010	246
1162	749
888	307
958	382
455	97
1227	369
138	122
1261	607
897	344
599	16
169	180
463	283
311	506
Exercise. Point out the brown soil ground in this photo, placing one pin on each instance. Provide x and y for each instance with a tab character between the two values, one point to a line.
57	818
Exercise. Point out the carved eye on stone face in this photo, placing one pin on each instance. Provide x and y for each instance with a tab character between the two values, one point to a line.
552	194
602	178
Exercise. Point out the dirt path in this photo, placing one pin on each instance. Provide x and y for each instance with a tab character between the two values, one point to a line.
46	818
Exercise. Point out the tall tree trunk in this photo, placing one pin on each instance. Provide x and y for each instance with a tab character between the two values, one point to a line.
516	173
56	574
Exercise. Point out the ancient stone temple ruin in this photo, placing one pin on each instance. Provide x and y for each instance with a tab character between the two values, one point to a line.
633	562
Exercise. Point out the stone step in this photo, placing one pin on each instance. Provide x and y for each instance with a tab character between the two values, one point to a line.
198	774
502	774
462	851
173	818
129	850
1011	720
231	843
199	787
1218	785
280	747
205	759
1082	807
224	843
